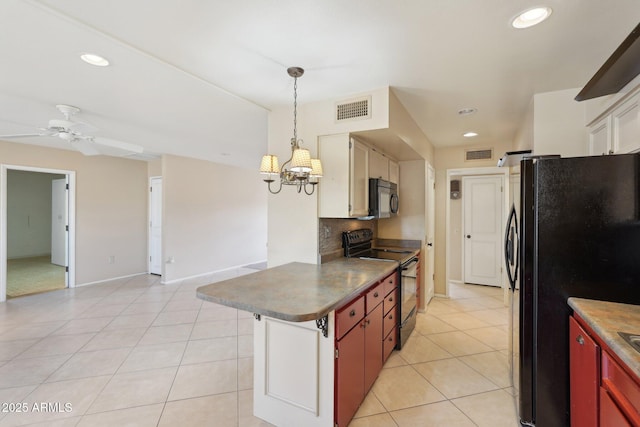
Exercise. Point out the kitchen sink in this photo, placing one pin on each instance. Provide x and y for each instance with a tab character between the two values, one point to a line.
632	339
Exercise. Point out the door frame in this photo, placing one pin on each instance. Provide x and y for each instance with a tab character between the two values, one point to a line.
430	236
71	254
458	173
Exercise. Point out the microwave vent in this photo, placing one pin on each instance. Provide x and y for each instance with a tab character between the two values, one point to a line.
484	154
359	108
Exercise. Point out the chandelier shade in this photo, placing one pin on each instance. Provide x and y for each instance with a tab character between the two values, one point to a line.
269	164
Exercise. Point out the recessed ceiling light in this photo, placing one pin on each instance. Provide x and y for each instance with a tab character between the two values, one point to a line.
93	59
470	134
467	111
531	17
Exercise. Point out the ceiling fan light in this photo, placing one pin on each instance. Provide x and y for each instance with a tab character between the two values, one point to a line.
301	160
93	59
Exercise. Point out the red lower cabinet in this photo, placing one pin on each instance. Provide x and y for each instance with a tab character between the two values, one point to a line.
372	346
584	356
603	393
362	347
349	387
610	415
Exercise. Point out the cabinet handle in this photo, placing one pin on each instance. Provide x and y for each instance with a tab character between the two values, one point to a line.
580	340
391	317
610	151
390	339
390	299
391	281
375	295
352	313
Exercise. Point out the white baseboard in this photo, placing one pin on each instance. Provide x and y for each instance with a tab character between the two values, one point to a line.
456	282
108	280
253	265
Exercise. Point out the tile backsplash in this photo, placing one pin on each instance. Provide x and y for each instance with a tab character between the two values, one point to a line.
330	234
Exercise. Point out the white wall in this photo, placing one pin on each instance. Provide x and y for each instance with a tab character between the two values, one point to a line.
28	213
214	217
111	208
559	124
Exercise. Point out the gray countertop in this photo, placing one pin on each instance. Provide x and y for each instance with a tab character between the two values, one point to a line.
607	319
298	292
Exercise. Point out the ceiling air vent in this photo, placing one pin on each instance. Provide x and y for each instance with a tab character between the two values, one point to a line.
484	154
354	109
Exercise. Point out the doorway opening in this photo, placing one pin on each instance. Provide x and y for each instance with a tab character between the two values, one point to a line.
37	230
455	223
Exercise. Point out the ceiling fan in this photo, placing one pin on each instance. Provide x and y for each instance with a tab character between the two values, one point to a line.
73	132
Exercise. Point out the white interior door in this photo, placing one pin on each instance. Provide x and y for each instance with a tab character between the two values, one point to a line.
155	226
483	202
430	209
59	222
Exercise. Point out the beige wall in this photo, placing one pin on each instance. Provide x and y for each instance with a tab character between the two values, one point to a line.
214	217
453	158
401	122
111	208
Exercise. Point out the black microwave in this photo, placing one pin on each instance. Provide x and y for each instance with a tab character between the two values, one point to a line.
383	198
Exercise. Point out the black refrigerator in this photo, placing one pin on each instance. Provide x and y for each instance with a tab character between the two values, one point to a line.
577	234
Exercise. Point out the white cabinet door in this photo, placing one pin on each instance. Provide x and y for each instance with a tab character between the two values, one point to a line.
600	137
378	165
343	191
359	188
394	172
626	126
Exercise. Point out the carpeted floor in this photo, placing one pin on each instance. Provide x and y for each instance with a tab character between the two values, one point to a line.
27	276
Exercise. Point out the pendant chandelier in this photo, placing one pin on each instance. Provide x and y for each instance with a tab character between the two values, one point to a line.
302	170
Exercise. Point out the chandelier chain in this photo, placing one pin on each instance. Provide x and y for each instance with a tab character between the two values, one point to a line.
295	110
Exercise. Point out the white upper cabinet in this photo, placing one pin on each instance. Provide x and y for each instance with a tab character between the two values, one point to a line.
394	172
617	132
343	191
378	165
600	137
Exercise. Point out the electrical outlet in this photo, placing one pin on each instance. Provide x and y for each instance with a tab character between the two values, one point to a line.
171	260
112	259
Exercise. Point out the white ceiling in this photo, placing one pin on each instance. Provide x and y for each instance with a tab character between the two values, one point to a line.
197	77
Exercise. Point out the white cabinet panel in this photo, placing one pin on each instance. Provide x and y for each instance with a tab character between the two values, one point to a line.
293	372
378	165
394	172
626	126
343	191
600	137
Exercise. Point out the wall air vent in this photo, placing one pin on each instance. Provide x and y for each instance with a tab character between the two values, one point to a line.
483	154
353	109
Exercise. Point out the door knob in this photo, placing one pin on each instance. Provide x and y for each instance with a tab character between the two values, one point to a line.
468	236
429	244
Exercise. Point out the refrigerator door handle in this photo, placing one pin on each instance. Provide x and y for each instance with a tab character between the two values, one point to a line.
511	244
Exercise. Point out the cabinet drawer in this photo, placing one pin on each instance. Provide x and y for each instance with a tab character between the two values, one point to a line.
610	414
348	316
390	283
390	300
375	296
390	321
389	343
624	390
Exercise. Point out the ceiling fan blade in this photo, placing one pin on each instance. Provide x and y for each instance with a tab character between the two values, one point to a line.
81	127
24	135
85	146
119	145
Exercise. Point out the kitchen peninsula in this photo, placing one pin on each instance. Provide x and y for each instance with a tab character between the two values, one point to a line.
294	307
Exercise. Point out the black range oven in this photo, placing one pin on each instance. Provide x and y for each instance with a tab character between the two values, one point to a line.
358	244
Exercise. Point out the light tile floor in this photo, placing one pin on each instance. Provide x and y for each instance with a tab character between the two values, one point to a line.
137	353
